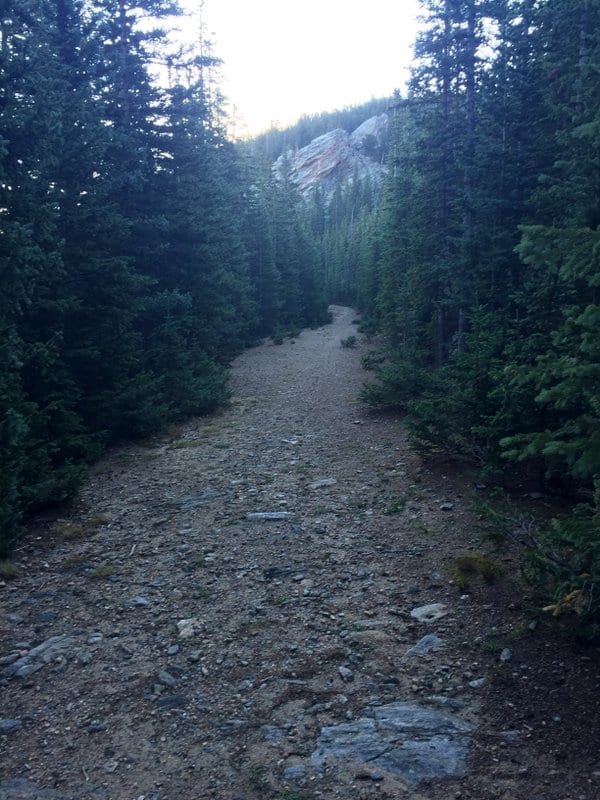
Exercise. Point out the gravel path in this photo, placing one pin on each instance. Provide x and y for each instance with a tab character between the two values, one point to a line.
223	605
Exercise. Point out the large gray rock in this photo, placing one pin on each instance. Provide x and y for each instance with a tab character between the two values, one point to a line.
370	137
8	726
401	738
45	653
337	157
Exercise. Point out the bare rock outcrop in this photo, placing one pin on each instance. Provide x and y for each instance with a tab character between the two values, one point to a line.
338	157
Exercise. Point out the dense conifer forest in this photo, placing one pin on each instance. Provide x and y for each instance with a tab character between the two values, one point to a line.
139	251
142	249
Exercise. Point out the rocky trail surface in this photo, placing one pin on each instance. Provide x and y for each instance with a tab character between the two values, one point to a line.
258	607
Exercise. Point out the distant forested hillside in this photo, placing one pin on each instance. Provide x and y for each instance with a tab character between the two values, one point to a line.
277	141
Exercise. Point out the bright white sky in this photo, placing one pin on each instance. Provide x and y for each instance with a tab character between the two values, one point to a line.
285	58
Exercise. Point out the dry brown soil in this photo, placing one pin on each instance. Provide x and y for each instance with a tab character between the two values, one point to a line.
160	534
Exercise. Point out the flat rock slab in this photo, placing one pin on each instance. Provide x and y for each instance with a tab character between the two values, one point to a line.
401	738
38	657
427	644
322	483
429	613
270	516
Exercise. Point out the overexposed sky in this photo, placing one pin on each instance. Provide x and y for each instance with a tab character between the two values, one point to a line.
285	58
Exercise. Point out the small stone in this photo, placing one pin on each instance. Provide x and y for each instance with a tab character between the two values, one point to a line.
505	655
137	602
187	628
85	658
425	645
429	613
111	766
446	506
167	679
96	727
323	482
173	650
94	638
346	674
8	726
270	516
477	683
194	656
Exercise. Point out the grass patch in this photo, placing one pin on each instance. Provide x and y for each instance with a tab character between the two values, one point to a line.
102	572
74	562
395	506
69	531
349	342
72	531
428	530
466	569
98	520
210	430
8	570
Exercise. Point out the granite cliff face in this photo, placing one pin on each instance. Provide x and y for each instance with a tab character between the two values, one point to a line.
337	156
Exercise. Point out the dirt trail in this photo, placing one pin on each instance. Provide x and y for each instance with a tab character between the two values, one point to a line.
191	649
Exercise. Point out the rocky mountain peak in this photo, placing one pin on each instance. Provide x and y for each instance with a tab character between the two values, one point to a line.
336	157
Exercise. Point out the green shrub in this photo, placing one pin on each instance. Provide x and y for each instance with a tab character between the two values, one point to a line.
564	566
